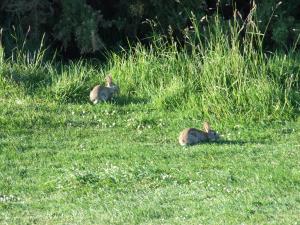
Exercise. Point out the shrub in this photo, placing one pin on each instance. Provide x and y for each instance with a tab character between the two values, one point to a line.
78	27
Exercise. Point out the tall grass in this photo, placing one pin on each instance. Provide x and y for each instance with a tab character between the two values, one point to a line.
216	75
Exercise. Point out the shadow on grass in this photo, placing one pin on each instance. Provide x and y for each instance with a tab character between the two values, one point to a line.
118	100
30	80
127	100
237	142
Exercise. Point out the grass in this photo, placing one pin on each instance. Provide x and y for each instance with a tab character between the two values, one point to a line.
218	78
76	163
65	161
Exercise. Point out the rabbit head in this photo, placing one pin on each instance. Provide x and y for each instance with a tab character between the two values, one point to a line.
113	87
211	134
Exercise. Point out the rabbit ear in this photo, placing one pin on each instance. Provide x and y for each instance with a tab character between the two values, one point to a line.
109	79
206	127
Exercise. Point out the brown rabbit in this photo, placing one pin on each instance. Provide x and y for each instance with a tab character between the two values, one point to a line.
104	93
192	136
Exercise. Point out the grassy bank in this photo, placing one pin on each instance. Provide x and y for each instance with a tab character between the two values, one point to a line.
65	161
218	78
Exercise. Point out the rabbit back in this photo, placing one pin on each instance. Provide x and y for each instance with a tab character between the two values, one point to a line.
191	136
99	93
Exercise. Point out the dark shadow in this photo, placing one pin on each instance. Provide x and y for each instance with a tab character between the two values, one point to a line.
32	81
236	142
117	100
230	142
127	100
223	142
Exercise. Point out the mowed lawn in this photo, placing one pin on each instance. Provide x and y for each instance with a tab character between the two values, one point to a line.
122	164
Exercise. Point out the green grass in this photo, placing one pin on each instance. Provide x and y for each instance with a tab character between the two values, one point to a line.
218	78
111	164
65	161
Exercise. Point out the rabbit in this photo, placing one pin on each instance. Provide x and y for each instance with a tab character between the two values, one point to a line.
104	93
192	136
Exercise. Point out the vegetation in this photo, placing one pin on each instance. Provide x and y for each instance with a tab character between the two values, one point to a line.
66	161
112	164
76	27
218	78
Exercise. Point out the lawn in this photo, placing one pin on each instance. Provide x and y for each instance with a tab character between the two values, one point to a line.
66	161
122	164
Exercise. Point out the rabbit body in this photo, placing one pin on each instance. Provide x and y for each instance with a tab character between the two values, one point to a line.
192	136
104	93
